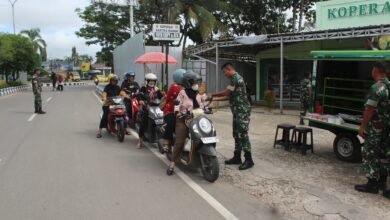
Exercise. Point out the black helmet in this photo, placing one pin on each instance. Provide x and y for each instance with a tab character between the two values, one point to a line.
189	79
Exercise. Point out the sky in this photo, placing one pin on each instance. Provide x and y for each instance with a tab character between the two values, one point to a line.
57	20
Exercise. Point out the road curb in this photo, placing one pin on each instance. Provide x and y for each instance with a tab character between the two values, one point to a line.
12	90
69	84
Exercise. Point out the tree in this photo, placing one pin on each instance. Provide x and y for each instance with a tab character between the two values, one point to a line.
245	17
16	54
39	44
84	58
196	18
108	25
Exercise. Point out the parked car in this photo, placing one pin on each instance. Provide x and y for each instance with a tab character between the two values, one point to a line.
76	77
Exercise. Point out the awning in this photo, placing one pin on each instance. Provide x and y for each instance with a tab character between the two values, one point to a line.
369	55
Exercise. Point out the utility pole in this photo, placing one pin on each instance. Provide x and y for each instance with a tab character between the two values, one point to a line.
132	3
13	12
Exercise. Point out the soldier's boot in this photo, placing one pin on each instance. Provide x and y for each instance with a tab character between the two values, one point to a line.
383	182
235	160
41	111
248	163
372	186
386	194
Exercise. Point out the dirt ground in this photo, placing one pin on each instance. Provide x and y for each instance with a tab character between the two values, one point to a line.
315	186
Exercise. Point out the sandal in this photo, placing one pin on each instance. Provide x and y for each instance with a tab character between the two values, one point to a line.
170	171
98	136
139	145
166	148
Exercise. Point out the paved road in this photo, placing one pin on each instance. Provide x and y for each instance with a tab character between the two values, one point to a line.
53	167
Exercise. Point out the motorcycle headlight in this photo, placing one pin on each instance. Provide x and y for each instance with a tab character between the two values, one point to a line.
117	100
205	125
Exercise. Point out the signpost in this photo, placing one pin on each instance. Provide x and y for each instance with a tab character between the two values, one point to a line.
166	33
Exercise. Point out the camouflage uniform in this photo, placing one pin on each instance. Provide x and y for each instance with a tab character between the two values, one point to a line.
305	96
375	131
241	109
37	93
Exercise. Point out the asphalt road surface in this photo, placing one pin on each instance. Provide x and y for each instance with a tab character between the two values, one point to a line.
53	167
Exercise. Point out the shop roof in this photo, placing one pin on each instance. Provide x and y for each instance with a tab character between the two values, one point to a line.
353	55
233	50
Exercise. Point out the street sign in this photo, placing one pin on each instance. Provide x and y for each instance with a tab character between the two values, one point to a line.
166	32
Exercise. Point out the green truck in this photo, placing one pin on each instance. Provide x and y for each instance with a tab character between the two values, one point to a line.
341	81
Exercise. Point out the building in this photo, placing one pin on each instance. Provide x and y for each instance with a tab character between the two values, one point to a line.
281	60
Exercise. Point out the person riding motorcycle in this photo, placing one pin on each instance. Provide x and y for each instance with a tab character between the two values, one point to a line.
110	90
146	94
131	87
169	111
189	100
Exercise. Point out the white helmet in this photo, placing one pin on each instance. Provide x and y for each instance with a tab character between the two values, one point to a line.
150	76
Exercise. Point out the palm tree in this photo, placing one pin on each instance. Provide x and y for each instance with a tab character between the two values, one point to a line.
39	44
195	15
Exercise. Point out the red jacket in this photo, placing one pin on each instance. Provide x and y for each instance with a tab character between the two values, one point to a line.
173	91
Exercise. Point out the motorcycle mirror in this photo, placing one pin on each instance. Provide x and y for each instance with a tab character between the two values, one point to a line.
176	102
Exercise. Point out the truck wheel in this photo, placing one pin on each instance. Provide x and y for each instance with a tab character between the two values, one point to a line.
347	147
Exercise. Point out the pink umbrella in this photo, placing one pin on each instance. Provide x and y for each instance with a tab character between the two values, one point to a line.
155	58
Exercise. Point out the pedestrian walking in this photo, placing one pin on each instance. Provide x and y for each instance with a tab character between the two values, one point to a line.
53	77
240	106
305	95
60	83
374	129
37	90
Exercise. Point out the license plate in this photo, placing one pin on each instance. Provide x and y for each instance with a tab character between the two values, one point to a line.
209	140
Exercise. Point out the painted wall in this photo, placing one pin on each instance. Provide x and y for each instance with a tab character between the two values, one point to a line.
338	14
126	54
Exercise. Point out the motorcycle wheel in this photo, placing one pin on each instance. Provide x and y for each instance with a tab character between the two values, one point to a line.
120	131
210	167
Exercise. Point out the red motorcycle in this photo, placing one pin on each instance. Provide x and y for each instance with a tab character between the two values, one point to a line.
135	106
117	117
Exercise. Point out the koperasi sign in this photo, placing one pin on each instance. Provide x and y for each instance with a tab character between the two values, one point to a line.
348	13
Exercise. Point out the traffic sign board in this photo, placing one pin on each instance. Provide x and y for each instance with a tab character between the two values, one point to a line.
166	32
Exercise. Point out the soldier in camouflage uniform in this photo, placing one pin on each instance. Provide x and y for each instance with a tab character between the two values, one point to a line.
240	106
37	90
305	96
373	129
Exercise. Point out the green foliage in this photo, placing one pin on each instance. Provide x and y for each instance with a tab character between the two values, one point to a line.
4	85
39	45
108	25
270	99
16	54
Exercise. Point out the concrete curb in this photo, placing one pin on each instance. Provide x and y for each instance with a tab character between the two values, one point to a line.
99	90
12	90
69	84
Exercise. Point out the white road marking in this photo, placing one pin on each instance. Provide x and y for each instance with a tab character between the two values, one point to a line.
201	192
48	100
99	99
32	117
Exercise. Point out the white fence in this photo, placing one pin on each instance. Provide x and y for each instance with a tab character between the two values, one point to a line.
11	90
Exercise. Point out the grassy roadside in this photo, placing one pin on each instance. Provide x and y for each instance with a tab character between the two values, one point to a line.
4	85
